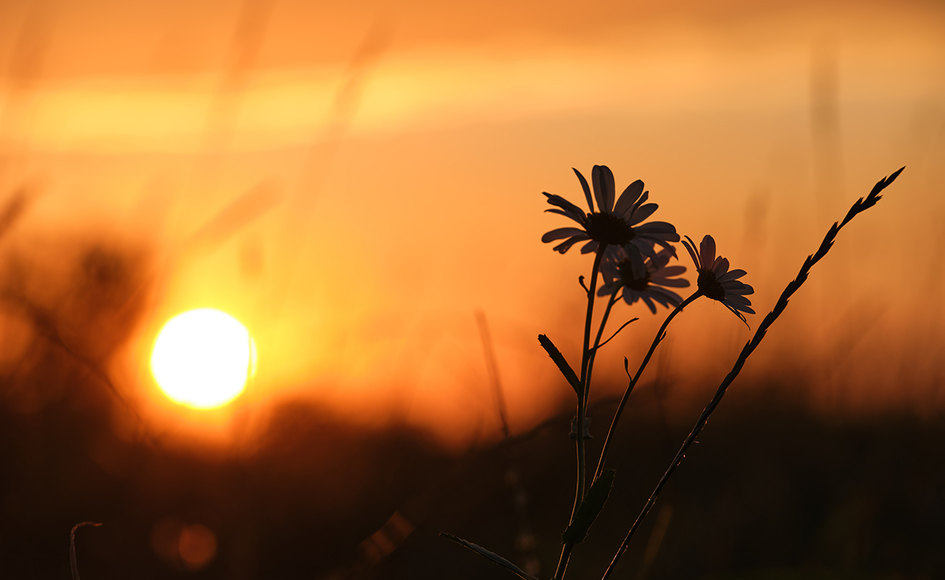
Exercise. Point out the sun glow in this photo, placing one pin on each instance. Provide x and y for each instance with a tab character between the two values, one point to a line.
203	358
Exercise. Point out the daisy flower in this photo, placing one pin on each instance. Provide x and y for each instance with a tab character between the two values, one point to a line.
612	224
651	288
716	281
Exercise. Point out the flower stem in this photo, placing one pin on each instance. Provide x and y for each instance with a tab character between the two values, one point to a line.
633	381
586	357
585	375
600	334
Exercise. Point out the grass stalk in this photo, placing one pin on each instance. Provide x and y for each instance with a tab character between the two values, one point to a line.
860	206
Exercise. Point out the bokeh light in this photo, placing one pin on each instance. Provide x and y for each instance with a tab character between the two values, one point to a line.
191	546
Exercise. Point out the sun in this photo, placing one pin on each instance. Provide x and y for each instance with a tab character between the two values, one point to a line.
203	358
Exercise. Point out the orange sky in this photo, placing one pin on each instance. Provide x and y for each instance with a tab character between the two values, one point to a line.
355	183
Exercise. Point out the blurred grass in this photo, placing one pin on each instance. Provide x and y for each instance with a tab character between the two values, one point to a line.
772	491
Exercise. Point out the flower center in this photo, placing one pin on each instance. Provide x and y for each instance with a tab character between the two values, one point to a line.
607	228
625	269
710	286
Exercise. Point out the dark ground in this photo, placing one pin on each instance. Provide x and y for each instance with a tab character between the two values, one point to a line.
772	491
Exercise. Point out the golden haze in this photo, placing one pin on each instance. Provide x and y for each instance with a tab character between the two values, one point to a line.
355	183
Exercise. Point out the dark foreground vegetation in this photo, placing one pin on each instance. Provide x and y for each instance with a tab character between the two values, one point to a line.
773	491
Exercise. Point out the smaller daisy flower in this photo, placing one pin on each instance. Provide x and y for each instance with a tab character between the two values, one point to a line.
611	224
619	272
716	281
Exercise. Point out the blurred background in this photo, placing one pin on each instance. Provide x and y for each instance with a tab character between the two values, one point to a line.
360	185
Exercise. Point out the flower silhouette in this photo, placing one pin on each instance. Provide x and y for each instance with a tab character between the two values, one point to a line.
716	281
651	288
612	224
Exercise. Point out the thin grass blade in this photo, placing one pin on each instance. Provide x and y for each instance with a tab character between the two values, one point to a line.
72	562
495	558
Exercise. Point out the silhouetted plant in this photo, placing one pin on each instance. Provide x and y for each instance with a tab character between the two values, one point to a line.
626	257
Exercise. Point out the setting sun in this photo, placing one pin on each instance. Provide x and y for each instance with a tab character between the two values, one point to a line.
203	358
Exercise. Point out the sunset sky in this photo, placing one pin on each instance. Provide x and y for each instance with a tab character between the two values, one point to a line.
355	181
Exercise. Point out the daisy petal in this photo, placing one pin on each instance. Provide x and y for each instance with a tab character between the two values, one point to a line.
566	245
587	190
628	198
736	313
691	248
671	282
645	247
636	262
580	220
562	233
707	250
603	179
642	213
590	247
641	201
563	203
649	302
667	271
737	300
720	267
742	306
732	275
742	290
670	296
658	229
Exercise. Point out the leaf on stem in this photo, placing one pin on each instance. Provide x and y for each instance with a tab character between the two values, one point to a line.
590	508
562	364
495	558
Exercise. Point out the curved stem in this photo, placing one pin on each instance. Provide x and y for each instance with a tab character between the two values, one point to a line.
633	381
